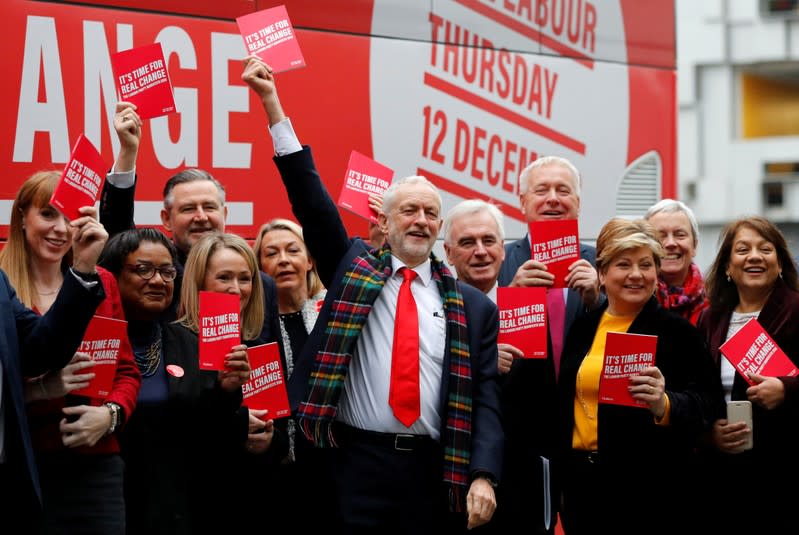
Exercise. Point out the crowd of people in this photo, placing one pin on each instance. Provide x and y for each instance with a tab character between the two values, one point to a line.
407	415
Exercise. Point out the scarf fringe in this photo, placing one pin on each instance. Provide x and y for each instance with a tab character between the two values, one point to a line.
320	433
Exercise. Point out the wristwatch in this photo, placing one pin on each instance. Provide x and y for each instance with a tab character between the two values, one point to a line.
116	412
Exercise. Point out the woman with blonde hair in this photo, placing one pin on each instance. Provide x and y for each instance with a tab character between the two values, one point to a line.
74	437
282	254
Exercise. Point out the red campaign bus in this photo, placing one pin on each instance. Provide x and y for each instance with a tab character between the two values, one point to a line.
465	92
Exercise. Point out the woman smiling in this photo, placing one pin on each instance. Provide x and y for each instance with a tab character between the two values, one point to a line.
635	456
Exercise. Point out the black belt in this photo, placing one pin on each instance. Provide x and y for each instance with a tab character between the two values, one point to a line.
391	441
590	457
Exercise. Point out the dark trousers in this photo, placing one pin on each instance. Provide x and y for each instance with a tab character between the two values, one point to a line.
82	494
388	485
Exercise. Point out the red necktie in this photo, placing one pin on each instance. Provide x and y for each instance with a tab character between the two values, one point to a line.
403	394
556	315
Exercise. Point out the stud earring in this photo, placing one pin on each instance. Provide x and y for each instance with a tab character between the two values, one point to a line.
729	279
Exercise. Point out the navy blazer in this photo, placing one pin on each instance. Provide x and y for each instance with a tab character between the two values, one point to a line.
31	345
529	394
328	242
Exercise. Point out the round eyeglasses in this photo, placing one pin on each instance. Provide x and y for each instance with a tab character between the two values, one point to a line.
147	271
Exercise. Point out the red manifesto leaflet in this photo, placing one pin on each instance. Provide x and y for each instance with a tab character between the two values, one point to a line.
266	388
523	320
102	341
556	243
752	350
219	328
626	354
81	180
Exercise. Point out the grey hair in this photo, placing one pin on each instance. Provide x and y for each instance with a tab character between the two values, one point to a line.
472	207
524	176
190	175
671	206
390	193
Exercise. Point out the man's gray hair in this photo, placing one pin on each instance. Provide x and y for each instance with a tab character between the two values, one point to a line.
390	193
190	175
524	176
471	207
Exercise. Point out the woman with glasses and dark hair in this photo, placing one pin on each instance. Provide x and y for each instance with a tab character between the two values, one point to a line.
190	438
75	438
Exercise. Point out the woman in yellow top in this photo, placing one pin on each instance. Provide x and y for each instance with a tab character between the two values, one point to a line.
628	469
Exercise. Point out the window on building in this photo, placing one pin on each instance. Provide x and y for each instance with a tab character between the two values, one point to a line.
770	100
780	7
772	194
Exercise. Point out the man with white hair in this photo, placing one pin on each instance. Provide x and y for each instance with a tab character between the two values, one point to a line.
549	189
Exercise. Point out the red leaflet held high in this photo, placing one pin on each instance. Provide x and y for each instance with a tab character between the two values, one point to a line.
141	78
81	181
364	176
269	35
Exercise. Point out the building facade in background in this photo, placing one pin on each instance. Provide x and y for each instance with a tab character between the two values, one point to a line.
738	90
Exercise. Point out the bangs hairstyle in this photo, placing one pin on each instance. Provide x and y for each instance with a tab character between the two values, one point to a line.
121	245
252	316
620	235
723	294
15	257
312	279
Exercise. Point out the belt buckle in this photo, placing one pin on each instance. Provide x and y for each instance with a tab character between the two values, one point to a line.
593	457
398	441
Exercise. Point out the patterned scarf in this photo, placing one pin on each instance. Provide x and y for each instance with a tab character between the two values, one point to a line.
350	309
689	300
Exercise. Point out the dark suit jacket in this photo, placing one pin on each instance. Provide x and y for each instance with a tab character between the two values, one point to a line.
518	252
333	250
529	394
31	345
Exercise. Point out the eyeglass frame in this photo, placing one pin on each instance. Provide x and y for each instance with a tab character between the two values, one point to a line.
142	269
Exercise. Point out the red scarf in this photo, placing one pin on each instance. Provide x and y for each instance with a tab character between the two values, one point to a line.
689	300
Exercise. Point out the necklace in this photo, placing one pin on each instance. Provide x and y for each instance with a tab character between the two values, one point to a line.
148	359
49	292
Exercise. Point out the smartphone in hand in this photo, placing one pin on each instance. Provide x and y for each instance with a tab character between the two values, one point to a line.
741	411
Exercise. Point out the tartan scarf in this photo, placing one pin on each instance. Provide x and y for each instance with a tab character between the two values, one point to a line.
350	309
689	300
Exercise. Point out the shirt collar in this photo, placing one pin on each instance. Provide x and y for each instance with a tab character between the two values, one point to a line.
423	270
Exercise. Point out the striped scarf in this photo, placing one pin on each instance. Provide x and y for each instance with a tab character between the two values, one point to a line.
350	309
